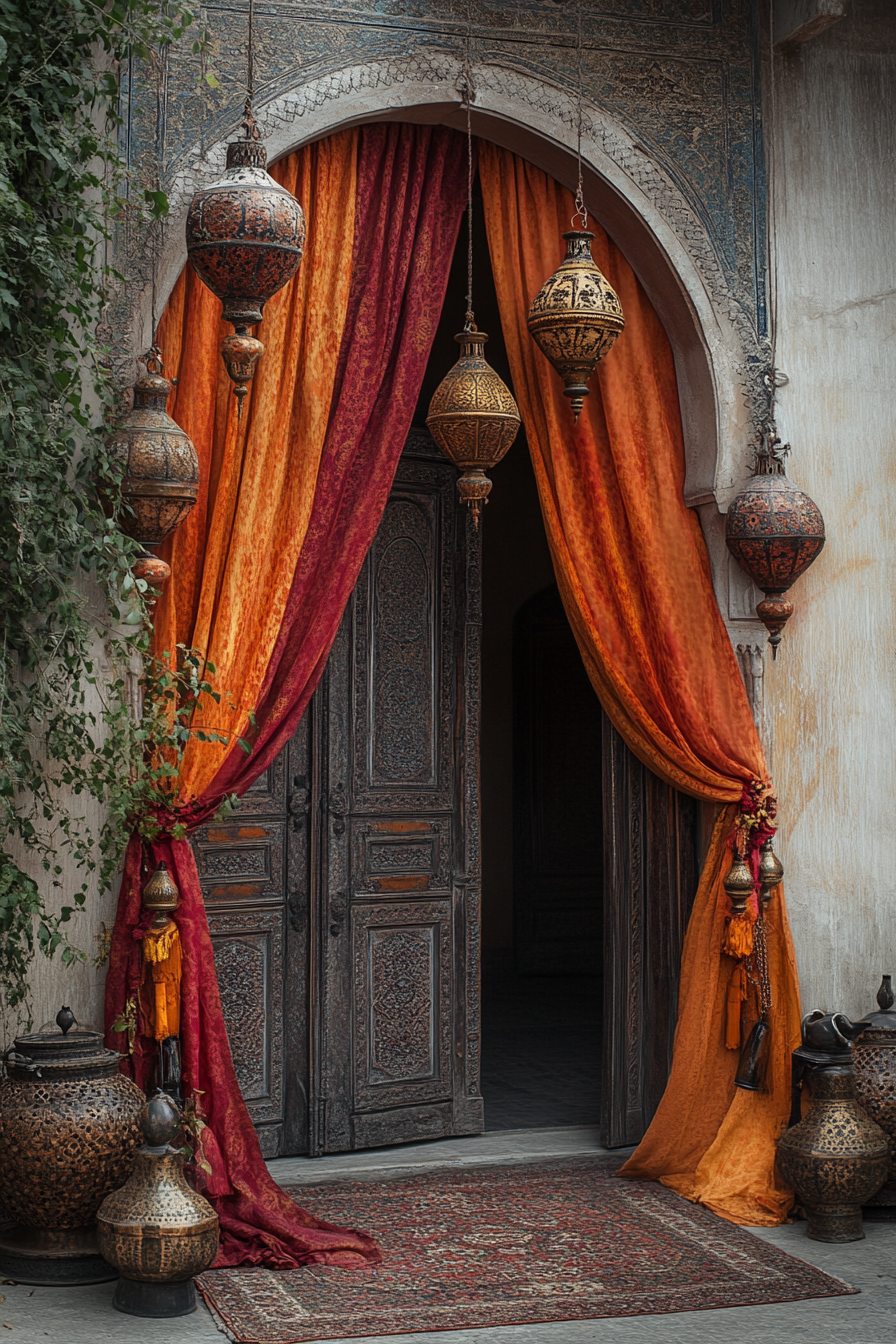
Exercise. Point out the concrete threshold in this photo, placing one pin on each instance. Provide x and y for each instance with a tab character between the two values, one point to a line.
495	1148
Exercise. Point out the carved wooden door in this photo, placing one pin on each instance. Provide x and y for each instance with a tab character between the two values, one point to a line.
395	913
253	871
650	880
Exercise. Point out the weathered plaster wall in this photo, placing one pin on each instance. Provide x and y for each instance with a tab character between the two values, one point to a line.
831	696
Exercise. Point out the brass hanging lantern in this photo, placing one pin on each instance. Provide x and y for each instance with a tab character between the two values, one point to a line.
161	895
245	235
775	532
771	872
161	467
576	317
473	418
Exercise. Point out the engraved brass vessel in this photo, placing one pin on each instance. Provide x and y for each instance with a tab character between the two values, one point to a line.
835	1157
576	317
161	465
157	1231
875	1063
473	418
68	1135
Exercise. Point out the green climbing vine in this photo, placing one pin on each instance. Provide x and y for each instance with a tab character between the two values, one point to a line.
89	727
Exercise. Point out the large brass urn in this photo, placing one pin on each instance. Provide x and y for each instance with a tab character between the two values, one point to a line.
576	317
68	1135
160	479
157	1231
835	1158
473	418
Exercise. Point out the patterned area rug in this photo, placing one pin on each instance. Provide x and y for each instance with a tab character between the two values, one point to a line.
552	1241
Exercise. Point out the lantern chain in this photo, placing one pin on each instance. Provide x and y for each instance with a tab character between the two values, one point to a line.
580	212
758	971
250	62
469	95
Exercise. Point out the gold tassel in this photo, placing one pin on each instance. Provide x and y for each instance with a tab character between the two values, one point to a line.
157	943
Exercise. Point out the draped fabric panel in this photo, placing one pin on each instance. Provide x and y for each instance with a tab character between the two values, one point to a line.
234	558
634	574
408	201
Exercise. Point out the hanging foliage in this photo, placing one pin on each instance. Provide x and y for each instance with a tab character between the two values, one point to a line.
77	726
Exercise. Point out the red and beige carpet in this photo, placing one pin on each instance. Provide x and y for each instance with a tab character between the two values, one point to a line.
553	1241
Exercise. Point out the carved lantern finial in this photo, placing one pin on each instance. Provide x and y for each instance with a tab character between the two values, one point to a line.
774	531
473	418
576	317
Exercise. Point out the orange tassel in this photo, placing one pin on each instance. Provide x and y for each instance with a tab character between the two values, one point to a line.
160	996
738	941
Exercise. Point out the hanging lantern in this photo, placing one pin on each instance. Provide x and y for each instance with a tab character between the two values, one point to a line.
774	531
771	872
245	235
161	467
576	317
473	418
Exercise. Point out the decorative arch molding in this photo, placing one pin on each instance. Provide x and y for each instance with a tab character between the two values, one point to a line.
720	358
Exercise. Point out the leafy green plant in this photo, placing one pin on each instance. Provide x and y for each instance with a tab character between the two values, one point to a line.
74	627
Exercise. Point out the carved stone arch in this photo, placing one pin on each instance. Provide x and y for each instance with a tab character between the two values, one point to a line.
718	353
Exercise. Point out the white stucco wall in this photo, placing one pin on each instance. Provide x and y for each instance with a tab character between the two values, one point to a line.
831	695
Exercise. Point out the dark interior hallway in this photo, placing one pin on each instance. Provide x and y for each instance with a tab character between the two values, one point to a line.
541	1015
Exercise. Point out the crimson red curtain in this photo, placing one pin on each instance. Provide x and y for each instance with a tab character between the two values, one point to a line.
410	198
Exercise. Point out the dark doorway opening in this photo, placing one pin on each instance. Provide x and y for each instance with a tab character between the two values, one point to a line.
540	790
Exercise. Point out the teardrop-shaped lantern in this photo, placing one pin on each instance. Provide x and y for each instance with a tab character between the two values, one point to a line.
771	872
473	418
161	466
774	531
576	317
245	235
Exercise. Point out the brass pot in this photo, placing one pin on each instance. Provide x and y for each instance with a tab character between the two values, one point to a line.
836	1157
68	1135
157	1230
875	1063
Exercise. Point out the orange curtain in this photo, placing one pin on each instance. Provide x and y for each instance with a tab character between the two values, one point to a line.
634	574
234	559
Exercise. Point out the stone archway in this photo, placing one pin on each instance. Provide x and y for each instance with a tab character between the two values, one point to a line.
719	356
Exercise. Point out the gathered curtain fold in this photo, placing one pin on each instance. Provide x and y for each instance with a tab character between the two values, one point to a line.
264	568
634	574
234	558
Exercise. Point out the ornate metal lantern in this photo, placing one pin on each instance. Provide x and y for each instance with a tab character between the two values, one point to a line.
774	531
473	418
161	466
245	236
576	317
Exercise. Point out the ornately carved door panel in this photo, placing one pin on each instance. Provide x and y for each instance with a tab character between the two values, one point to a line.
254	874
395	924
